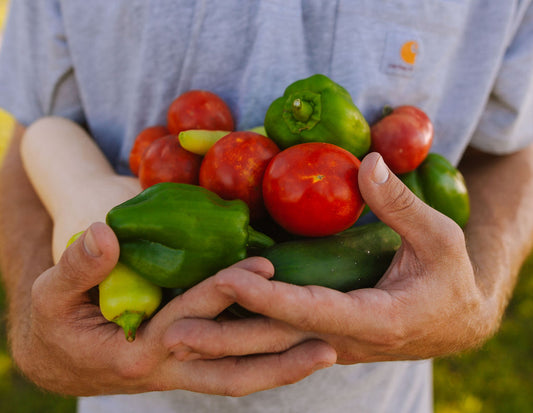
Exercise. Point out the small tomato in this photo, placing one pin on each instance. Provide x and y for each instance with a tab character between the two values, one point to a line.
234	167
141	143
403	137
199	109
166	161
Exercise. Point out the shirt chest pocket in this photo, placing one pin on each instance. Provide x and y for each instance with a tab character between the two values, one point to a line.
396	52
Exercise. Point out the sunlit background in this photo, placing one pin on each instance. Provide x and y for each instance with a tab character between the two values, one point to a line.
497	378
6	122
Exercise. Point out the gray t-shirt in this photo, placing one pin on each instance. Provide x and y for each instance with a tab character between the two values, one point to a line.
115	66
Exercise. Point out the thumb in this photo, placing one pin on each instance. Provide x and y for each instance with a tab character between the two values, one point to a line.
86	262
394	204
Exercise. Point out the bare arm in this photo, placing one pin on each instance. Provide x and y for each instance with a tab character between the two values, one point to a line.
25	237
499	235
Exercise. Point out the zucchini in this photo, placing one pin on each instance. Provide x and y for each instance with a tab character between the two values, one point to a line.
352	259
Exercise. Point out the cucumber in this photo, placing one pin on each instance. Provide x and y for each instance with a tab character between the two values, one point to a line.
352	259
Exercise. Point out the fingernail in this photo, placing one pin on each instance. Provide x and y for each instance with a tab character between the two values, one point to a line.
381	172
90	244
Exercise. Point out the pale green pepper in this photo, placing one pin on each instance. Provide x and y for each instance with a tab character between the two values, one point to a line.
126	298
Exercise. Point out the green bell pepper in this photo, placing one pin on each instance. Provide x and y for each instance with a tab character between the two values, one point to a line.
439	184
316	109
175	235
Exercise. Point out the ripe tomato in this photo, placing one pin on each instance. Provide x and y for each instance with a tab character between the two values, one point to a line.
403	138
311	189
234	167
141	143
166	161
199	109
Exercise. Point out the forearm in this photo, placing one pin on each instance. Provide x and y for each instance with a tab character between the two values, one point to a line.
500	232
25	237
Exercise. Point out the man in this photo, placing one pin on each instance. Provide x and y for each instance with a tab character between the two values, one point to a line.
116	67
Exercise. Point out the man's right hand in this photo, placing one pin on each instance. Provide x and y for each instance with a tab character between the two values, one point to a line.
70	348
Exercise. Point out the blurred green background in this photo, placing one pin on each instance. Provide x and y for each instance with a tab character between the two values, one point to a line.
494	379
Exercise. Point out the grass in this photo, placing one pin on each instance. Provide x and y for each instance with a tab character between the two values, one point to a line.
494	379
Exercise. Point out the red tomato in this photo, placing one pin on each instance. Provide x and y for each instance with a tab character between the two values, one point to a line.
141	143
311	189
199	109
166	161
234	167
403	138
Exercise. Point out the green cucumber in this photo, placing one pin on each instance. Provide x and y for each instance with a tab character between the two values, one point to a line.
355	258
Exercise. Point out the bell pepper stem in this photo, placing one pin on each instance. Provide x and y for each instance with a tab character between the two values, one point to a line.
302	110
129	321
257	239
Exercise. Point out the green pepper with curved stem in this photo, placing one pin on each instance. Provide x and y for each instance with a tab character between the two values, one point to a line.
317	109
439	184
126	298
175	235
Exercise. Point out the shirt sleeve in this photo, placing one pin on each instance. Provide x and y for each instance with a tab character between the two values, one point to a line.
507	123
36	73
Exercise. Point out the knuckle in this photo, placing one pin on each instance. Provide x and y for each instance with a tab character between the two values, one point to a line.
456	236
70	267
305	320
450	236
220	348
227	276
133	370
134	367
234	386
401	200
393	338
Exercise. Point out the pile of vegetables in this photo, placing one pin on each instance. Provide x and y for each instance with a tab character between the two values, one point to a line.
294	179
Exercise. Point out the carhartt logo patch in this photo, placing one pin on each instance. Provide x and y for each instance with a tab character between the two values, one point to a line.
402	51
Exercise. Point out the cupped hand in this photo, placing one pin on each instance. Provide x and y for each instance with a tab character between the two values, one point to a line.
70	348
427	304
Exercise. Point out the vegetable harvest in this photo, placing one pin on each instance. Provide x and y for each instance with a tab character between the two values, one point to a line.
203	181
175	235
